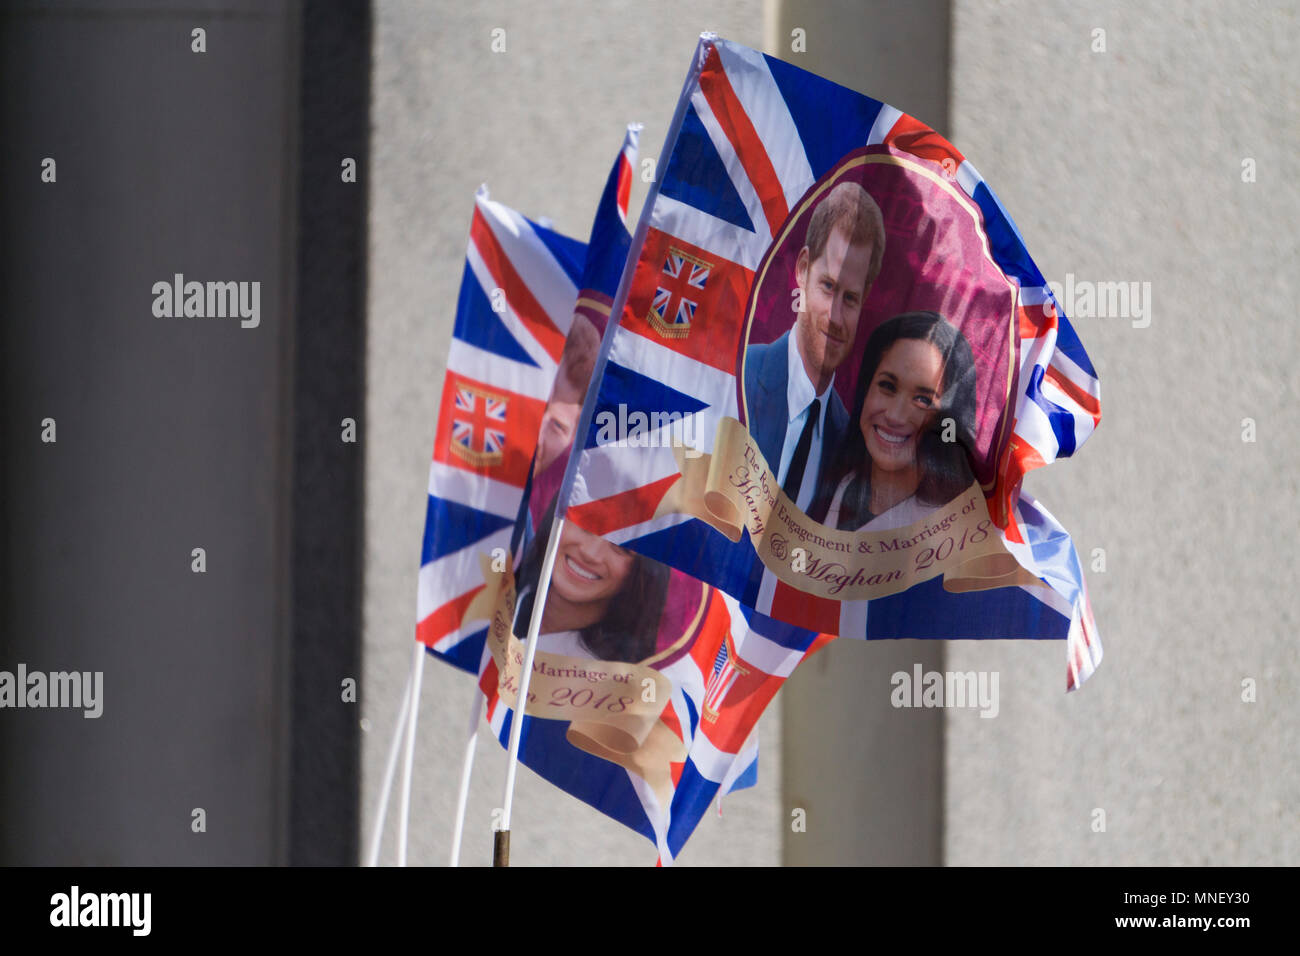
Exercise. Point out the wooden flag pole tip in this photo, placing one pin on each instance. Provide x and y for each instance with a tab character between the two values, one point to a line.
501	848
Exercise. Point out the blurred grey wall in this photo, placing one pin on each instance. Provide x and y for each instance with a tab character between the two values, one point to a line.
216	156
171	432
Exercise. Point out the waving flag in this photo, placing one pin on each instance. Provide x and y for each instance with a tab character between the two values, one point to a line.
514	310
654	718
841	362
503	438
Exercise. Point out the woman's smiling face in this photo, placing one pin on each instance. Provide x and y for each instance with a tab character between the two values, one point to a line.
588	568
900	400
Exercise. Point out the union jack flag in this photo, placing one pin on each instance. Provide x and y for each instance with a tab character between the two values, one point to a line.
493	369
517	300
674	307
704	730
755	137
478	426
500	368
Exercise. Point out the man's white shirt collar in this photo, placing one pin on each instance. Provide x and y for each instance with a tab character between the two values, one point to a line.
799	393
799	396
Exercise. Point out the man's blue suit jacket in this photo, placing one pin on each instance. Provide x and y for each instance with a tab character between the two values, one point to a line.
766	375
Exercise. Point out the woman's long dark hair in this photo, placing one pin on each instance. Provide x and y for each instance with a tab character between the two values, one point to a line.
943	468
630	628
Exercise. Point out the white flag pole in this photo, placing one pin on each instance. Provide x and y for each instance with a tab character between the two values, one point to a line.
501	846
390	768
467	765
413	712
501	842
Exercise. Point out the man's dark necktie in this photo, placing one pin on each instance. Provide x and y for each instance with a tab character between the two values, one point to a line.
794	477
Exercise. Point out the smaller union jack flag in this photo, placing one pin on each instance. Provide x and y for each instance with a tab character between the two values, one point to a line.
478	430
671	311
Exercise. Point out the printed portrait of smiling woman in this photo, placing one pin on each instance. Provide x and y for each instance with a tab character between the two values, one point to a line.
917	372
604	601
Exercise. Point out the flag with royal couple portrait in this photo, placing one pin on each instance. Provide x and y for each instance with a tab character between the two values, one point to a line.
798	403
830	365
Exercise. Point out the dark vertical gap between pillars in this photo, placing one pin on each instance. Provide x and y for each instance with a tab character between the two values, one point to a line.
329	386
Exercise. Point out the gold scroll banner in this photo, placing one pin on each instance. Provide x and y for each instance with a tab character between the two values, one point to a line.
734	488
612	710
